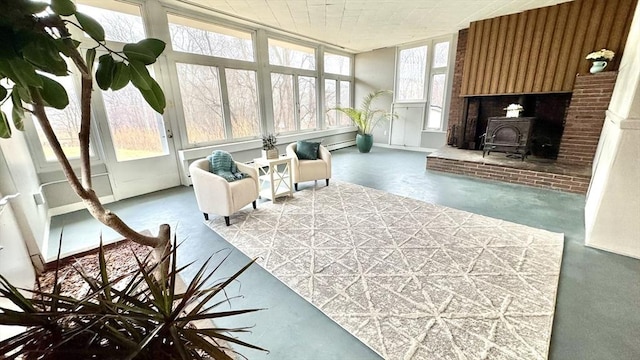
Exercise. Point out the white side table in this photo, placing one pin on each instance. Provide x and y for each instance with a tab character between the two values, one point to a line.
274	176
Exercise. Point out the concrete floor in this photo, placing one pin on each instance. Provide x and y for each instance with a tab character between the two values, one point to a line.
596	316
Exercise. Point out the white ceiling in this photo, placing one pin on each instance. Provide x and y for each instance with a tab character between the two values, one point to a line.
363	25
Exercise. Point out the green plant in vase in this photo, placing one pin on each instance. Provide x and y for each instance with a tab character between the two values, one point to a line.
366	119
269	149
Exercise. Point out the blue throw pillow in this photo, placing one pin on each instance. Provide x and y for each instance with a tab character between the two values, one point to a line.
307	150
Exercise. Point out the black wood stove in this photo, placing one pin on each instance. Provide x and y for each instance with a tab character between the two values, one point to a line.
510	135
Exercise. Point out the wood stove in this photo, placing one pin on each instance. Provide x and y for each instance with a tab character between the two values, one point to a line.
508	135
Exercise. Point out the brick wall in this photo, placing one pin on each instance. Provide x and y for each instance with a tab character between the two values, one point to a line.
569	183
456	107
585	117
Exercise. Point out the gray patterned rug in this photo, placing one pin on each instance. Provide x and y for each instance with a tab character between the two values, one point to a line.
412	280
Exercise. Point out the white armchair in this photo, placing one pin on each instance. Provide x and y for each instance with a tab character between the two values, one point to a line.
215	195
309	170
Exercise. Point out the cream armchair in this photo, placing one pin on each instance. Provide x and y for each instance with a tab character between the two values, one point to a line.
215	195
309	170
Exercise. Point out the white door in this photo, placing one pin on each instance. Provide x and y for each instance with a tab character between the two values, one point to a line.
406	128
138	143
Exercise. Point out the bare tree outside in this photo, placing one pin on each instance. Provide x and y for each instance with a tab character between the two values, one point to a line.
411	73
308	102
283	102
201	102
242	86
118	26
194	40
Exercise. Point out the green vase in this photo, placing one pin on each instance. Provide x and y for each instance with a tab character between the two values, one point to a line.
364	142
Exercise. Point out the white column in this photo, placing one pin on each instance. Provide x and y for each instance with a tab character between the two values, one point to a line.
612	211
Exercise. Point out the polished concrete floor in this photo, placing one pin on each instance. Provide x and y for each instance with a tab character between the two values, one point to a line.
597	314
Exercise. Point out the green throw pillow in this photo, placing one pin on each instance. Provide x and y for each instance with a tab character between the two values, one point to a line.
307	150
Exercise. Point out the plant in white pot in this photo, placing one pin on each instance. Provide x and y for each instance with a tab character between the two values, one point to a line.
366	119
269	149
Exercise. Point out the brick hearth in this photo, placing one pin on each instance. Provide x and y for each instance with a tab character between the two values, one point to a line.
541	173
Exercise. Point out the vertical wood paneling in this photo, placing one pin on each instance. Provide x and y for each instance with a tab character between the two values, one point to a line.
486	84
507	55
526	50
500	47
517	48
541	50
556	43
486	32
473	52
618	38
606	25
545	48
468	58
535	59
565	49
593	29
576	55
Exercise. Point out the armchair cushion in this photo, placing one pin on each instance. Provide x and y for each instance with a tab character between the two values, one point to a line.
307	150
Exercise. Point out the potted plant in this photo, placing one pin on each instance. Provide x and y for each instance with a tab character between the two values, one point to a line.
131	315
269	149
366	119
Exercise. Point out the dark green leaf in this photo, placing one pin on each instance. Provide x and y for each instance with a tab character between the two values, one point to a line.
90	26
90	58
45	54
53	93
22	73
17	113
3	93
155	46
63	7
140	53
140	75
25	95
35	7
5	130
104	74
121	76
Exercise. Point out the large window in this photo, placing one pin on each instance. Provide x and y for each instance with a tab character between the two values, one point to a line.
291	55
337	64
201	102
293	86
283	102
219	93
243	103
197	37
412	65
121	22
438	86
422	78
308	104
137	131
65	124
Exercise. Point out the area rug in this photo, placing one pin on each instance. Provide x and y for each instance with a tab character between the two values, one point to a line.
412	280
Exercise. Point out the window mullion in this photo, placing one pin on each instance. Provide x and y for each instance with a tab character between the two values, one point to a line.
226	112
296	101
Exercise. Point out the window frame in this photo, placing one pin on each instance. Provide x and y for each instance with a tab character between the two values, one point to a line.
338	78
430	71
295	73
222	64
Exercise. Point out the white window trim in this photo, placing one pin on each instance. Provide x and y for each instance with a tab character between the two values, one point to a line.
428	79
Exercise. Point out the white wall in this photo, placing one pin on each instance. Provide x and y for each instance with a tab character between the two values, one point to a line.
612	211
375	70
23	224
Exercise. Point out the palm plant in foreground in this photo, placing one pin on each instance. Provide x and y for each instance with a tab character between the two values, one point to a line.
133	316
